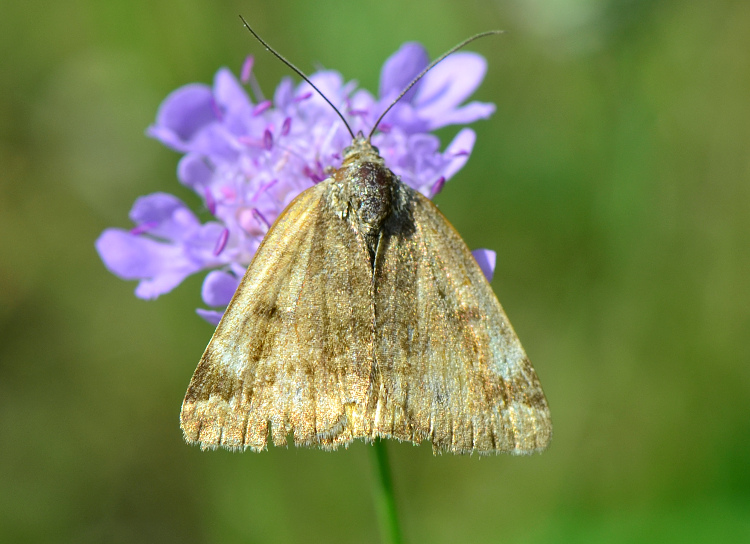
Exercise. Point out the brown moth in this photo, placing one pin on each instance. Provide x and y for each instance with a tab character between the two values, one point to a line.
364	315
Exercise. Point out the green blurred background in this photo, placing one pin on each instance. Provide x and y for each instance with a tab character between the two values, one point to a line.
613	181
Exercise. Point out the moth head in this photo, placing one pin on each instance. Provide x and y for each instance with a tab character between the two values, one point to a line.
361	150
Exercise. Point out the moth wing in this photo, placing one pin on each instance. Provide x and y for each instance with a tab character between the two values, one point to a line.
293	352
449	367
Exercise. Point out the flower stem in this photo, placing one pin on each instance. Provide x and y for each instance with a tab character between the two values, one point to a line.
383	493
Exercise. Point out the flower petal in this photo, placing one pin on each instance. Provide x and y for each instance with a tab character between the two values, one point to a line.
216	141
160	266
167	216
194	171
219	287
211	316
458	152
400	68
330	84
151	288
284	94
473	111
185	111
229	94
486	259
447	85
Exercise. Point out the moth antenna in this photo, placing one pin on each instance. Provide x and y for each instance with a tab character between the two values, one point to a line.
430	67
301	74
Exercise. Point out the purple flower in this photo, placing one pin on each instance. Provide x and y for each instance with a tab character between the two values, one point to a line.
248	159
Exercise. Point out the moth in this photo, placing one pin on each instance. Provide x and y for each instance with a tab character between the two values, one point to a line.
364	315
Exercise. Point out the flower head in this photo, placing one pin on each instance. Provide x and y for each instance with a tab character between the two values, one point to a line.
248	159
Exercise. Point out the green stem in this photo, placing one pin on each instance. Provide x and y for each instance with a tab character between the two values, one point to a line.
383	491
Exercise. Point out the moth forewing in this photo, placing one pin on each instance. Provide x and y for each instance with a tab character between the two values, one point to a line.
453	369
282	358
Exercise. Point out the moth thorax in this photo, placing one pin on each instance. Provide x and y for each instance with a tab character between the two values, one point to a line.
370	195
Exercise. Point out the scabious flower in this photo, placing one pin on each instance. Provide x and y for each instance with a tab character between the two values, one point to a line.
248	159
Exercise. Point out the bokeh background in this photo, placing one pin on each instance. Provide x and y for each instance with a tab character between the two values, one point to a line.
613	181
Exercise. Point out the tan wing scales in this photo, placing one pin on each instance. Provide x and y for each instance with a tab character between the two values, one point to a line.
293	352
450	368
